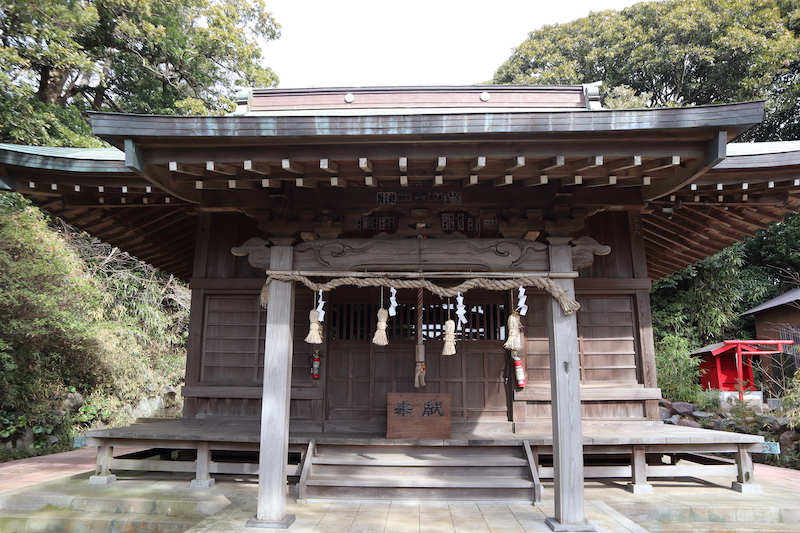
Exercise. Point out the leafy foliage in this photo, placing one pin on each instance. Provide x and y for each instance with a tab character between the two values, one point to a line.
135	56
678	371
674	52
78	317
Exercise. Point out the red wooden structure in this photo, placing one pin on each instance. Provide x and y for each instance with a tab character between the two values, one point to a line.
728	365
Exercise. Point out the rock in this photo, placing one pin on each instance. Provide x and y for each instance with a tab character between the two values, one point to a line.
168	390
58	412
702	414
688	422
683	408
151	387
664	413
788	441
51	440
25	440
673	419
142	409
72	401
665	404
720	424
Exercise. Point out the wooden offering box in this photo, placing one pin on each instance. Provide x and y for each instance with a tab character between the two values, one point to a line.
418	416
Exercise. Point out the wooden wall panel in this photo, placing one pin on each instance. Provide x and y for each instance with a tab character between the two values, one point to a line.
611	228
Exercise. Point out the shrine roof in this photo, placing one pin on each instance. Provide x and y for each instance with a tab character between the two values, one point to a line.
788	297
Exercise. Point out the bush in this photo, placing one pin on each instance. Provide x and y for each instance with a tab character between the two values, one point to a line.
86	330
678	371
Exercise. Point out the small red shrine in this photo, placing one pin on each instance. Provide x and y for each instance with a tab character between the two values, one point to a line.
728	365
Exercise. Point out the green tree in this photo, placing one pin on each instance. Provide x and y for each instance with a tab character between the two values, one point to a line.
676	52
135	56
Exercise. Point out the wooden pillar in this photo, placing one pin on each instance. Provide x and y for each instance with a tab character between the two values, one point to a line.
202	478
274	444
639	484
745	481
566	401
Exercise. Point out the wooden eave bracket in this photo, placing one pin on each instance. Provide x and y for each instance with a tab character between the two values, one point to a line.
715	152
135	160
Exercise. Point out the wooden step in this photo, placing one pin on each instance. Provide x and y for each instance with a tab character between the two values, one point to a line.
64	520
420	481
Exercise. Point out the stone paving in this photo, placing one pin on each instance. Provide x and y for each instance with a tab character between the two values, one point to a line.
677	505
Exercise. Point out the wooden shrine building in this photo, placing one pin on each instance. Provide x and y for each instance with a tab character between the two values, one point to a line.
429	192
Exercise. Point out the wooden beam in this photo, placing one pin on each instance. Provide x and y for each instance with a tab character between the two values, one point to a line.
714	153
365	164
221	168
369	181
404	181
328	166
550	164
441	163
601	182
403	164
181	168
516	163
306	183
256	168
438	180
267	183
338	182
535	182
290	166
470	181
477	164
572	180
587	163
661	163
624	164
508	179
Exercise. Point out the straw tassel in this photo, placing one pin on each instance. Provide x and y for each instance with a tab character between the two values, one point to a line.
314	328
514	341
380	338
419	374
449	338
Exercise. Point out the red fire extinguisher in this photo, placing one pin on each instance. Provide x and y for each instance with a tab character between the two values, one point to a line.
519	372
315	365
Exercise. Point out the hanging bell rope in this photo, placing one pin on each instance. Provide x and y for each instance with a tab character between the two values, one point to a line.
420	369
567	303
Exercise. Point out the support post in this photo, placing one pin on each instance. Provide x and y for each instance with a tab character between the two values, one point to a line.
202	478
274	443
745	481
102	474
566	401
639	484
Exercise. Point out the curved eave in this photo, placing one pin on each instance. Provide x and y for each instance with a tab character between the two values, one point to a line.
733	118
74	160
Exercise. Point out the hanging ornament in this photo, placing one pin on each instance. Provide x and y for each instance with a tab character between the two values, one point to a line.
420	369
449	347
521	299
314	329
392	301
419	374
461	310
449	338
380	334
320	306
514	341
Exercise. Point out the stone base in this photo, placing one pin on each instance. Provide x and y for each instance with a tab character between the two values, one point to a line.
746	488
274	524
102	480
555	525
640	489
202	483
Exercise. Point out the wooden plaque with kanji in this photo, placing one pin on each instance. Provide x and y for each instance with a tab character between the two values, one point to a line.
418	416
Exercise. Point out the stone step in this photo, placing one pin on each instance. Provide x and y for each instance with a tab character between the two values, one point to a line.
52	520
720	527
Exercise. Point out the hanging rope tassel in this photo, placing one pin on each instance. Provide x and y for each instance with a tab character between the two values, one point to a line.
514	341
314	328
380	334
419	374
449	338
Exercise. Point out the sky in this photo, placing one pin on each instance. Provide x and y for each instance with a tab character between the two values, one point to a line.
358	43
